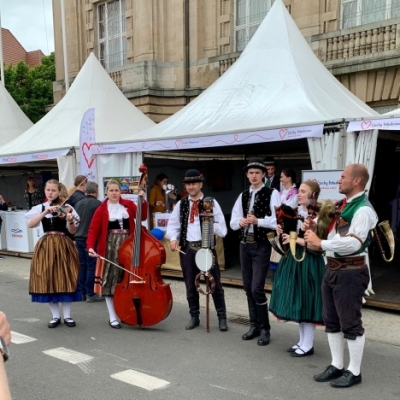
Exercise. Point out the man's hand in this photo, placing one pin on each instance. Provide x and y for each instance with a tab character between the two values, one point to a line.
243	222
173	245
251	219
312	240
5	331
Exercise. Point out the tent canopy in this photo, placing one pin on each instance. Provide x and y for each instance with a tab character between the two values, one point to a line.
13	121
116	116
277	82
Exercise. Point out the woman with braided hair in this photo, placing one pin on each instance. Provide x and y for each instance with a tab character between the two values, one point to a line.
296	294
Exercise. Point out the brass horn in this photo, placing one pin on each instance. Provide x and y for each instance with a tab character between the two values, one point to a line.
292	242
385	228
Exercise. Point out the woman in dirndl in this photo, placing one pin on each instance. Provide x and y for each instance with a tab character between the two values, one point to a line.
296	294
112	223
55	262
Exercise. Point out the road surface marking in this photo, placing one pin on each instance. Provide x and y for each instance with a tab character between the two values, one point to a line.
68	355
19	338
144	381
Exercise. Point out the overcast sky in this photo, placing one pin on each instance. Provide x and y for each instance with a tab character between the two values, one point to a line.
31	22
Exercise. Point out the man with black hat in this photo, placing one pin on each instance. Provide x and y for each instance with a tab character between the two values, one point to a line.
272	179
254	214
184	228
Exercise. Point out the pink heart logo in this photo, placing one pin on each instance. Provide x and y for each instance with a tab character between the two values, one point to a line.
178	143
283	132
365	125
87	146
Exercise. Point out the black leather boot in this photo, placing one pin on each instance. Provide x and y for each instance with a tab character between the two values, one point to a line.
254	330
220	307
194	311
262	312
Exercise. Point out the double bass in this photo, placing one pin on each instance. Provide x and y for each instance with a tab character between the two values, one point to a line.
142	298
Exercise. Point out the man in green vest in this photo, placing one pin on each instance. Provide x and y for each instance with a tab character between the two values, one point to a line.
346	277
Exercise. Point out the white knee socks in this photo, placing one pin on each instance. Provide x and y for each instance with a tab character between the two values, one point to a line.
66	306
356	349
55	310
336	344
308	332
111	309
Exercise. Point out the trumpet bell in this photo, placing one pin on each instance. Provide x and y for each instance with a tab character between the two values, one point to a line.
292	242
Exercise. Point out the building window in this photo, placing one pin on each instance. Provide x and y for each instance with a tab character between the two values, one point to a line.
360	12
248	17
112	33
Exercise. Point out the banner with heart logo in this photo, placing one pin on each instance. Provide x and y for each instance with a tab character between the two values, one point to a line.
87	140
384	124
21	158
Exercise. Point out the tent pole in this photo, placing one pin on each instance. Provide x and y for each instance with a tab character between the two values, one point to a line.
65	50
1	53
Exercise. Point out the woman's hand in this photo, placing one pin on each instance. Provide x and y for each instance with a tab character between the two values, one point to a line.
279	230
52	209
92	253
285	238
160	203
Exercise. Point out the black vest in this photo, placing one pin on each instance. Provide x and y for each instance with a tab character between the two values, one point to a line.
260	209
184	217
54	224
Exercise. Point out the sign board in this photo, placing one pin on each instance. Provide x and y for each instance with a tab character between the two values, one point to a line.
161	220
328	181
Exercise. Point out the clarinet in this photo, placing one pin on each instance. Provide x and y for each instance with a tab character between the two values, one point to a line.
246	230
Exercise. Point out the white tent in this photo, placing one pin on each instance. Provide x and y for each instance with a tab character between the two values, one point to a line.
116	116
277	82
13	121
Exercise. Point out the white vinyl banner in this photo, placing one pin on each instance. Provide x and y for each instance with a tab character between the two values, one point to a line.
22	158
388	124
87	139
232	139
328	181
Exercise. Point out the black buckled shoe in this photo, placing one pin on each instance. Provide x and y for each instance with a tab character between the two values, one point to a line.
115	324
54	322
348	379
223	326
69	322
329	374
304	353
264	339
292	349
192	323
253	332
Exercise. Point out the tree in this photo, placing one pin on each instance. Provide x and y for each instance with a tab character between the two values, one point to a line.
32	88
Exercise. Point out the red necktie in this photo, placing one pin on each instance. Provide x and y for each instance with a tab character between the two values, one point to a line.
194	210
334	219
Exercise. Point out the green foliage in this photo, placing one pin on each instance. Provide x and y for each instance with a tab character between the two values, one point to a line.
32	88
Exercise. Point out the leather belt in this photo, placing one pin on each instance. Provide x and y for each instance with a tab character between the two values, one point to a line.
55	233
120	231
249	238
195	245
342	263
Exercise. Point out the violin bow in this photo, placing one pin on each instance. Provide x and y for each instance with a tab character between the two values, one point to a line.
118	266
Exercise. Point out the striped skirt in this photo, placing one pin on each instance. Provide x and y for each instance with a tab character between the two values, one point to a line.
54	270
296	294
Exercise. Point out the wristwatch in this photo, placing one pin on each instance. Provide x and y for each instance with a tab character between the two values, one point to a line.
4	349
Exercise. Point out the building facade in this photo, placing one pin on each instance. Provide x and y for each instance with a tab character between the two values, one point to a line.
163	53
14	52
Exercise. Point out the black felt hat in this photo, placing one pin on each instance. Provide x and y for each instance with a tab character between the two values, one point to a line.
193	176
255	163
269	160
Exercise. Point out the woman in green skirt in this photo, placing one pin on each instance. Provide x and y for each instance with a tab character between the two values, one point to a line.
296	294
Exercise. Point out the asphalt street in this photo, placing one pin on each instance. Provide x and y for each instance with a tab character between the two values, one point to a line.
93	361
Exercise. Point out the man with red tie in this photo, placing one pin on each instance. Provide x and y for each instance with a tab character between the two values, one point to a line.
346	277
184	229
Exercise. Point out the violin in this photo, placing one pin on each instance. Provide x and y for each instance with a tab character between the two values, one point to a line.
142	298
62	210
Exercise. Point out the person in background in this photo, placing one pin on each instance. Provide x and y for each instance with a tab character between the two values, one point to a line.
184	228
5	340
79	193
254	215
3	207
111	224
86	209
33	196
157	197
55	261
272	177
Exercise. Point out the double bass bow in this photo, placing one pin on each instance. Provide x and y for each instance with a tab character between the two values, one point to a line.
142	298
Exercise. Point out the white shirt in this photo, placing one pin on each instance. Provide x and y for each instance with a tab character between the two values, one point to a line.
36	210
266	222
363	221
193	233
292	200
117	212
